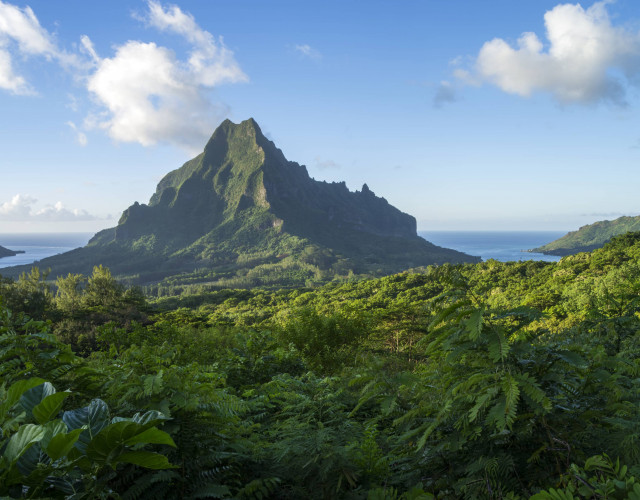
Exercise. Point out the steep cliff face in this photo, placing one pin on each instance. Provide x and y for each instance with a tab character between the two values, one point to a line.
240	169
241	211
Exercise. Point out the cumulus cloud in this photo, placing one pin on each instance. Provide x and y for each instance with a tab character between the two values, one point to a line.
152	96
21	34
19	206
307	51
21	209
586	58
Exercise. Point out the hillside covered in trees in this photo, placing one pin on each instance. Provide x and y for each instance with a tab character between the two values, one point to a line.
590	237
240	215
490	380
5	252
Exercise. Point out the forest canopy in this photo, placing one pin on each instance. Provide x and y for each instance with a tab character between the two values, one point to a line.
489	380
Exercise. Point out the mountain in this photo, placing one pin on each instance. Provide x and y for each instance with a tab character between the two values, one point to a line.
5	252
590	237
241	214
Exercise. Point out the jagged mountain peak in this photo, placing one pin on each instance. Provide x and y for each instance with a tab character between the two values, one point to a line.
239	170
242	199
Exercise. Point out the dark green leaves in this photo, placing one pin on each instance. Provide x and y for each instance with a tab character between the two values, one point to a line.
20	442
92	418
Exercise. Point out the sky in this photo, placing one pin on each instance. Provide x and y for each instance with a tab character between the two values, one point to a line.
492	115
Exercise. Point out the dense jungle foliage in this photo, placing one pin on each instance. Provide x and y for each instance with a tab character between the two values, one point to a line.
491	380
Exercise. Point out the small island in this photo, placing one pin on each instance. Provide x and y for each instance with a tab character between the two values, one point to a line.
5	252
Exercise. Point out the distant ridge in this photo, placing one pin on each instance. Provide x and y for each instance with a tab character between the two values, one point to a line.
5	252
241	214
590	237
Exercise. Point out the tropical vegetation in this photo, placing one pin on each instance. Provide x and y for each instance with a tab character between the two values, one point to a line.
489	380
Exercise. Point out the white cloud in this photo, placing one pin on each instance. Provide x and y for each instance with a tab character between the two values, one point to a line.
21	209
8	79
151	96
307	51
87	47
23	27
21	34
210	62
586	59
81	137
19	206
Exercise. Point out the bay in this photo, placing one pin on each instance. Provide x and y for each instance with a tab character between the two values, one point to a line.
499	245
503	246
37	246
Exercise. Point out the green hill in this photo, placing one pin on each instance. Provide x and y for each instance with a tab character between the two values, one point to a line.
590	237
5	252
240	214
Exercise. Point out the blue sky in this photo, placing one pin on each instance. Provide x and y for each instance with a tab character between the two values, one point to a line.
492	115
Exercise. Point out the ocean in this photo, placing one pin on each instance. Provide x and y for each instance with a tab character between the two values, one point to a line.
39	245
499	245
503	246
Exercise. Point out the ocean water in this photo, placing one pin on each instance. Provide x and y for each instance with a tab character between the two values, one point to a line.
503	246
39	245
499	245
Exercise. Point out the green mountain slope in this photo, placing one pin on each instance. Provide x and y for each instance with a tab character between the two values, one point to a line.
241	214
590	237
5	252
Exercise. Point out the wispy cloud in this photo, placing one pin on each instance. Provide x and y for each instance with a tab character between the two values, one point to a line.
586	58
307	51
21	208
325	164
81	137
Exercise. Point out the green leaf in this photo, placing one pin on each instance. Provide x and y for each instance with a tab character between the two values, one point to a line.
61	444
152	436
34	396
597	462
113	438
52	429
512	396
498	346
151	417
22	440
95	417
147	419
18	389
49	407
30	461
110	441
153	384
474	324
145	459
574	359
